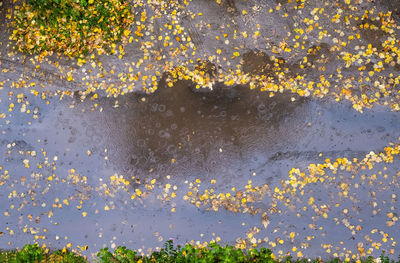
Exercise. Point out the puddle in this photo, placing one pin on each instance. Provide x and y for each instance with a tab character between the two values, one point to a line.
202	132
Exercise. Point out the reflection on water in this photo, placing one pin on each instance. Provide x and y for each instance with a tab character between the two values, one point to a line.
189	129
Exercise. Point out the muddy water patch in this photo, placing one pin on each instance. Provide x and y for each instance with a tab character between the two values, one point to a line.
181	130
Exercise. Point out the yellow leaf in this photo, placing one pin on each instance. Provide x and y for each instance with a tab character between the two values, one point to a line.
127	32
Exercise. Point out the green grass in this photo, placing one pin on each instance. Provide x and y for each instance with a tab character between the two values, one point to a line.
73	27
168	254
33	253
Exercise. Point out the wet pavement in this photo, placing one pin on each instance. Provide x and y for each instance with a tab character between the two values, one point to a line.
272	166
72	171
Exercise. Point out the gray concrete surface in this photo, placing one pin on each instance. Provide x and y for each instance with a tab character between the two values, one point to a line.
62	164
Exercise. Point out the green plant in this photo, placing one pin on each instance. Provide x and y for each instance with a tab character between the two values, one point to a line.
67	257
33	253
168	254
121	254
385	258
7	256
30	253
189	253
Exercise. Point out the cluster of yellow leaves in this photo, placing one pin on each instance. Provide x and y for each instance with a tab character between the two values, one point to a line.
236	201
373	86
317	172
56	30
